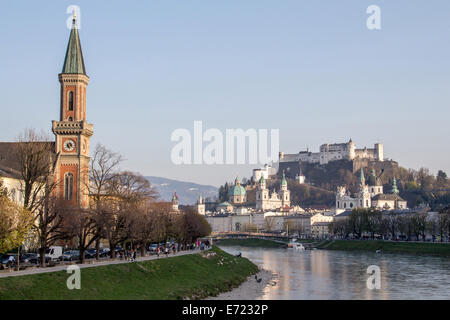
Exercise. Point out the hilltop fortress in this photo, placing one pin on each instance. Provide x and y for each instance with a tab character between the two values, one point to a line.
336	151
333	157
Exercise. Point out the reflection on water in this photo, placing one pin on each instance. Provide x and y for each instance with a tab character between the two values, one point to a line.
322	274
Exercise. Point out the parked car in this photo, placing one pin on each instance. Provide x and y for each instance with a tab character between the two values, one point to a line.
90	253
118	248
104	252
32	258
153	247
71	255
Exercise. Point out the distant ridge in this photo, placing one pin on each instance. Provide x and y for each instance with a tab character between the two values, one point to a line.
187	192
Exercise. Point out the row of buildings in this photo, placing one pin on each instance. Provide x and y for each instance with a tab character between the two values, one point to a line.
270	210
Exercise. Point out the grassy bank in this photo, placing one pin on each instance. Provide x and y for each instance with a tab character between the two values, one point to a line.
437	249
250	242
193	276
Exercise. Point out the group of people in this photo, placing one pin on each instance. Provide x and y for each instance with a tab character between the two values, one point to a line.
129	255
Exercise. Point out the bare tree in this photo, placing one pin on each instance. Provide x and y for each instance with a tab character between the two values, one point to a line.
79	223
36	162
103	169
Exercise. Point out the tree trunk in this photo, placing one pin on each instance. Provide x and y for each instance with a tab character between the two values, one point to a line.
97	249
143	250
112	252
82	258
42	256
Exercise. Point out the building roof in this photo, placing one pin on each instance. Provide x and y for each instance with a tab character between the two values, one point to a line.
225	204
346	213
322	223
74	62
387	197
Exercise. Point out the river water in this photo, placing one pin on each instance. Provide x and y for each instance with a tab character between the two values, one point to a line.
322	274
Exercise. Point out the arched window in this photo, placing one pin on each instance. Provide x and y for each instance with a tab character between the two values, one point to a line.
345	205
70	119
351	205
68	186
338	205
70	100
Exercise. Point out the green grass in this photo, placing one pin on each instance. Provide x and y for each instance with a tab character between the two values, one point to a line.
436	249
192	276
250	242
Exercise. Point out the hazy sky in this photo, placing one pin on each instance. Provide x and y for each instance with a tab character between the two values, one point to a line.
310	68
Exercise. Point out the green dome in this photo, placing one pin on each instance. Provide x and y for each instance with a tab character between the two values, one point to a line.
237	191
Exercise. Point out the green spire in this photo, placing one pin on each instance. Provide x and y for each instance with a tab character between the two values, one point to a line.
283	180
362	180
394	186
73	62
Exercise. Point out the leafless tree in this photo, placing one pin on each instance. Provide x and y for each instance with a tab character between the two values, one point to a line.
36	163
79	223
103	170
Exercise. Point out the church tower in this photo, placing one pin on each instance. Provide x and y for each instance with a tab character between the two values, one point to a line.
285	193
72	132
262	195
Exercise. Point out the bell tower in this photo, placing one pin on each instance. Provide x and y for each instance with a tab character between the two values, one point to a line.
72	132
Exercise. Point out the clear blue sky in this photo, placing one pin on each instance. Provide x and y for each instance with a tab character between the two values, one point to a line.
310	68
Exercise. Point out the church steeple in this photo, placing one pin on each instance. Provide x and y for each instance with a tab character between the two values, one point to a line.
362	180
394	186
72	132
74	62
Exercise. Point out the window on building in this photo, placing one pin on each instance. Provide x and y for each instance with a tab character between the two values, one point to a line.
351	205
68	186
345	205
367	203
70	100
338	205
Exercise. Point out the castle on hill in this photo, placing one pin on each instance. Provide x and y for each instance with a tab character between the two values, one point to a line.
335	151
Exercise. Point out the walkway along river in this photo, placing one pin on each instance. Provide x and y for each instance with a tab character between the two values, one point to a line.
322	274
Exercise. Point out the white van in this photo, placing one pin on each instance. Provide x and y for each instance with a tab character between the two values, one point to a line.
54	253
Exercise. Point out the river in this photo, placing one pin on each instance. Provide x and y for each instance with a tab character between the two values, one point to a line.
323	274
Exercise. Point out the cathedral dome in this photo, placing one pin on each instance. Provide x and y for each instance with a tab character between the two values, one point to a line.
237	189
